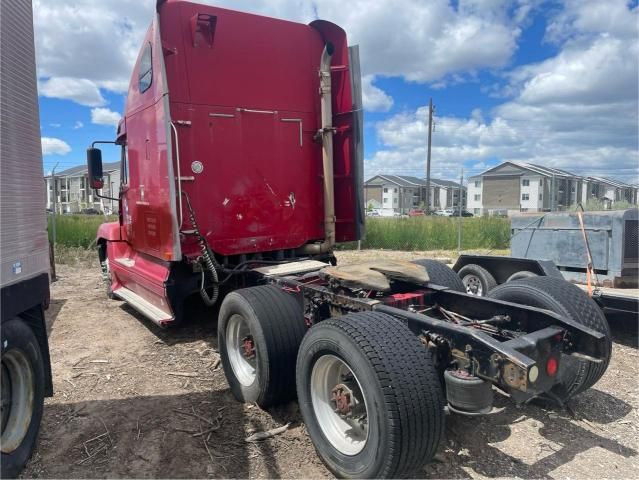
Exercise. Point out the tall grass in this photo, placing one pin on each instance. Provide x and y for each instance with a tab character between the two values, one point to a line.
436	233
76	230
597	205
418	233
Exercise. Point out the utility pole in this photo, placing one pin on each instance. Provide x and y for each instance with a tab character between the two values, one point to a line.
55	200
430	134
459	220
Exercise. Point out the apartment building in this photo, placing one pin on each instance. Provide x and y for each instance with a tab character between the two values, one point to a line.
400	193
74	195
525	187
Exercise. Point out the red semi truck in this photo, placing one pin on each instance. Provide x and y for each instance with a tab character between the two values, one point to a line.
241	168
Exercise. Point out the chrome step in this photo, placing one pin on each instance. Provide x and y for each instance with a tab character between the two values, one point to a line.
146	308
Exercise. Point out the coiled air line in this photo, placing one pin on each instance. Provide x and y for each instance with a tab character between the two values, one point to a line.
206	259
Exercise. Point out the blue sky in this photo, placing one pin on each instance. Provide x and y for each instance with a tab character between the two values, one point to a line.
548	82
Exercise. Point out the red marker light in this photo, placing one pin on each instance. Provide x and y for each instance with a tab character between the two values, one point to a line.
551	366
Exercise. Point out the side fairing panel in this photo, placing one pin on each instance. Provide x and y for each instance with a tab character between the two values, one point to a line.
149	199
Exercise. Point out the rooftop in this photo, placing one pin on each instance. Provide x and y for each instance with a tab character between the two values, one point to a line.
410	181
81	170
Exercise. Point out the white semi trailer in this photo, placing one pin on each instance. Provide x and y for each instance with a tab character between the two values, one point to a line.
24	248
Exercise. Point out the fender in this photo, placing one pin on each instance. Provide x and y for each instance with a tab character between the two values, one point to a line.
110	232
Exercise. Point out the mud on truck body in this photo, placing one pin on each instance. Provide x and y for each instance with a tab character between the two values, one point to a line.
24	248
242	167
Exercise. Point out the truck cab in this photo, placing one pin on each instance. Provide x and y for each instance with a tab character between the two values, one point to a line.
222	152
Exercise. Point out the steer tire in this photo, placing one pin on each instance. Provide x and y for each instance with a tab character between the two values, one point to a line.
401	390
276	322
566	299
486	281
23	382
107	276
440	274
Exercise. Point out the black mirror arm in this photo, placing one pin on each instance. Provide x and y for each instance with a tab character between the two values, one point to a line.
95	192
103	141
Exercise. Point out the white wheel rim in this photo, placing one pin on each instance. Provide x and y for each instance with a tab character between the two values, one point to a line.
17	379
473	285
348	435
244	366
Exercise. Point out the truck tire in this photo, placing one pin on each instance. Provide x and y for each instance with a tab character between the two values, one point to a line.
106	269
374	371
563	298
441	274
22	395
520	275
259	331
476	279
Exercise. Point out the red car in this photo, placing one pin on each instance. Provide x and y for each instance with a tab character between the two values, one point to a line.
416	213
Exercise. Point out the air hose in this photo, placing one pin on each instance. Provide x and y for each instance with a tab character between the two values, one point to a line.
206	259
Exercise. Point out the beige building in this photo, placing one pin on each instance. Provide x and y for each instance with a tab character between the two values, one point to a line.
391	194
525	187
74	194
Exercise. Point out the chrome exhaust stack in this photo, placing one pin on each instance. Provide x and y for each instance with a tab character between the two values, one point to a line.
326	134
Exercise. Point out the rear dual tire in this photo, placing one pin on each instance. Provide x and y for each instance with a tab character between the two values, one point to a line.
391	374
399	418
259	333
440	274
559	296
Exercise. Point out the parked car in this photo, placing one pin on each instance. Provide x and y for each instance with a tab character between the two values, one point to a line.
464	213
443	213
373	213
91	211
416	213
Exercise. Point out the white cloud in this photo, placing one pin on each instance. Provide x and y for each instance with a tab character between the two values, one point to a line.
425	41
578	110
593	17
54	146
104	116
80	90
603	70
83	46
55	125
94	43
78	124
374	98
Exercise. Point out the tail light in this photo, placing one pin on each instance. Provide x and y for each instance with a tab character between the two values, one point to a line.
551	366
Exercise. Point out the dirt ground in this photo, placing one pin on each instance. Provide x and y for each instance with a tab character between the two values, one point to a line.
130	399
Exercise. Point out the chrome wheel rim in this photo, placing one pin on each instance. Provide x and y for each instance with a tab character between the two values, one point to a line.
473	285
18	393
347	432
241	349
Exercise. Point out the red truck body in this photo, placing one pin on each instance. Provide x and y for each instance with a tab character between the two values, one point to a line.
223	108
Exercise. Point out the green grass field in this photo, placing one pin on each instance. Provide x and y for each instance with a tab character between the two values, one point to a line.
436	233
418	233
77	230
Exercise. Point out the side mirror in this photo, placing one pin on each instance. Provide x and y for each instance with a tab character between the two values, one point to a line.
94	164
